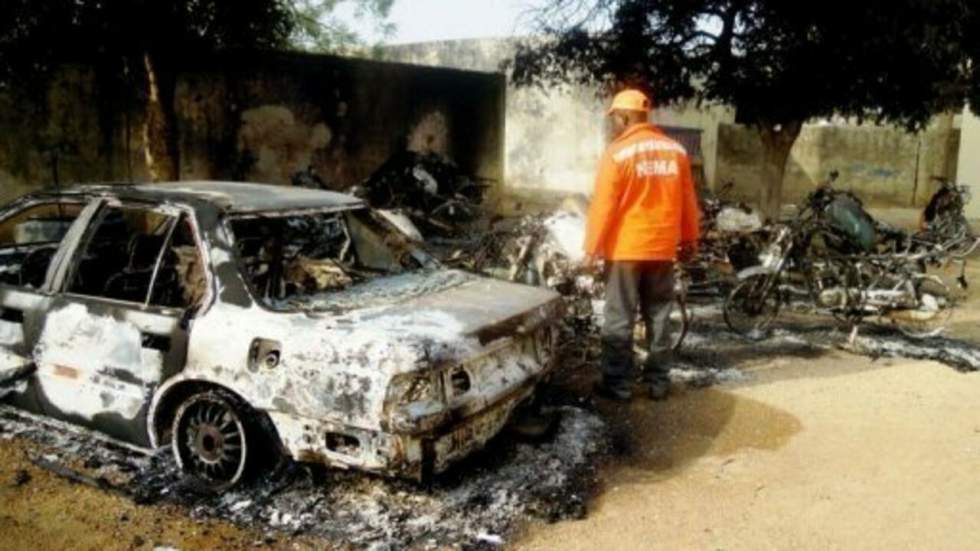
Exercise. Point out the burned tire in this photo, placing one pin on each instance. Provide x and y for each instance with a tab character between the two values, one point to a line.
211	438
752	306
933	315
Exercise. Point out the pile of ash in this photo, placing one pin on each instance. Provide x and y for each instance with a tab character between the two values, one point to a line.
710	347
479	504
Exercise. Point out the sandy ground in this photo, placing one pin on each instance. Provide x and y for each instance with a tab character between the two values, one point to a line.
831	452
49	513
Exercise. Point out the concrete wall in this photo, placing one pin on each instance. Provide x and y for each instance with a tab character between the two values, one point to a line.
257	118
886	167
969	160
554	137
65	124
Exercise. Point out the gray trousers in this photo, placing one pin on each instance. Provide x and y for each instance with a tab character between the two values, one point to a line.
648	285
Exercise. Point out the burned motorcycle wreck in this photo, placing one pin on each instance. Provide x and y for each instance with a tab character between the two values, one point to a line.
429	189
546	250
732	235
944	218
835	258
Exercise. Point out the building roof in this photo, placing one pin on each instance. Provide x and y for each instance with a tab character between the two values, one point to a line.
228	196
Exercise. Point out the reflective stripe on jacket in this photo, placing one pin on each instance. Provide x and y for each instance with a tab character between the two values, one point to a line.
644	204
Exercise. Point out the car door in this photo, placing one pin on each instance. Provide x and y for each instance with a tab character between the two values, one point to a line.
118	328
35	234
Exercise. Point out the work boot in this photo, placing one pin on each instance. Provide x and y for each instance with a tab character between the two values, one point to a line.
618	392
659	389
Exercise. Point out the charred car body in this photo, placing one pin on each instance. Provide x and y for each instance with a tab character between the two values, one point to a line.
223	319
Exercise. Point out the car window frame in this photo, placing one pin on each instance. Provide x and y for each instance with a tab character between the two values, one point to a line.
63	247
177	212
227	218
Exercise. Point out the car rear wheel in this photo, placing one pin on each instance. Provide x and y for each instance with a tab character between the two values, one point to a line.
211	438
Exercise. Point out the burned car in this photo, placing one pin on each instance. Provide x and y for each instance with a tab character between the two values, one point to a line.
236	322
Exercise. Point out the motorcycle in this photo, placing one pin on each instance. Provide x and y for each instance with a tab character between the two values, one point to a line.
835	258
731	236
548	252
944	218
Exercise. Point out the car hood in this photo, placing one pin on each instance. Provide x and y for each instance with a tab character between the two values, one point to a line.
482	308
475	300
444	308
381	291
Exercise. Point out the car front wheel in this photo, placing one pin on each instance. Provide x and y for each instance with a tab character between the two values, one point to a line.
211	438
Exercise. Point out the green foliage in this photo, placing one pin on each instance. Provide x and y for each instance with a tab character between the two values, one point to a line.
317	27
115	35
776	62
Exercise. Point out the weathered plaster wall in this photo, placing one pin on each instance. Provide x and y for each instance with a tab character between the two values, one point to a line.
968	168
68	128
884	166
260	119
554	137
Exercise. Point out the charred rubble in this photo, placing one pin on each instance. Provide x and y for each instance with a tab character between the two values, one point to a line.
431	190
478	505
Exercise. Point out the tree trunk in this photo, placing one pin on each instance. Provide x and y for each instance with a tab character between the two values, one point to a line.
160	128
777	142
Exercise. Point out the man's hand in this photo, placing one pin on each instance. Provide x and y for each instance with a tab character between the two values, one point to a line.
590	264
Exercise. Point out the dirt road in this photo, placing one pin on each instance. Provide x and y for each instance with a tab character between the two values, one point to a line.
836	452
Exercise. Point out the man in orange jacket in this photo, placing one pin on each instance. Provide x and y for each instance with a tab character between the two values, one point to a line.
644	210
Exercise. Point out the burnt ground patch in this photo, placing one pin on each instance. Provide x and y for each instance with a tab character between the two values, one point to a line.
478	504
712	354
713	351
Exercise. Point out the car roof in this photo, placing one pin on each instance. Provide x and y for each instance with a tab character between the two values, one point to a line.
237	197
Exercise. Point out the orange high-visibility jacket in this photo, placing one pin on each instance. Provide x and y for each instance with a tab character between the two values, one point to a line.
645	203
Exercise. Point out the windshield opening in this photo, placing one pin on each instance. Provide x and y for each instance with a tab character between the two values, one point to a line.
284	258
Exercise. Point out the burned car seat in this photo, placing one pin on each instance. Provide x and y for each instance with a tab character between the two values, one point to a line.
132	283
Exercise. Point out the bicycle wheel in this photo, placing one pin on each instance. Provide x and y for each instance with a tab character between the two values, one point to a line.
678	325
680	322
752	306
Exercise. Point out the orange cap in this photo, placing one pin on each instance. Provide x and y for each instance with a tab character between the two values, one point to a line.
630	100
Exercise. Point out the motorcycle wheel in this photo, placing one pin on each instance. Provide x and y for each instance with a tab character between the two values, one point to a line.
932	317
752	306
